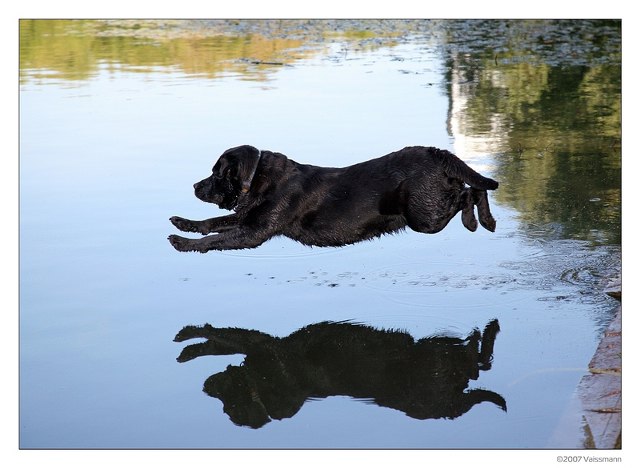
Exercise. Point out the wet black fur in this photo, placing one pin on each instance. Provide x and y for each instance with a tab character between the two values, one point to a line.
419	187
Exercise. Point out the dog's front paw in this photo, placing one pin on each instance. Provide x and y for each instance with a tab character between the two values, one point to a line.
192	331
182	244
183	224
191	352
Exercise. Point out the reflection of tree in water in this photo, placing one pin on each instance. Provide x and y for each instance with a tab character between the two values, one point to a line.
76	49
545	98
425	379
250	49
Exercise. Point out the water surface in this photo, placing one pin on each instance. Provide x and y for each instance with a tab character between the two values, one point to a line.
119	119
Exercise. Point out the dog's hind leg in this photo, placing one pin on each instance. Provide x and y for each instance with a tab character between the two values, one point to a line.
468	216
421	219
430	212
481	200
486	348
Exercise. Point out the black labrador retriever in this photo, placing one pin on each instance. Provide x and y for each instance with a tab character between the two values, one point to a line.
425	379
420	187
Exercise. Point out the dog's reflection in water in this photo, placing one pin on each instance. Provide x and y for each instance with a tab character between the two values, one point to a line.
425	379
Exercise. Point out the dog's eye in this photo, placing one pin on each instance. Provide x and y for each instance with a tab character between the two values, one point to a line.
223	174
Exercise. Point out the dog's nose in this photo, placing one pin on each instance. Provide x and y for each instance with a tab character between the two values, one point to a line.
195	186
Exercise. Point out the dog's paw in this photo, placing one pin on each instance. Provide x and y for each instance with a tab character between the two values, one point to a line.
192	331
488	223
187	333
469	220
190	352
181	244
183	224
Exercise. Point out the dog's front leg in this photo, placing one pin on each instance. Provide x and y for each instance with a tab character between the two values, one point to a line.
220	341
207	226
230	239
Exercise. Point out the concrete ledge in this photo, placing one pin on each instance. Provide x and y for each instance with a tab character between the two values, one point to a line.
600	391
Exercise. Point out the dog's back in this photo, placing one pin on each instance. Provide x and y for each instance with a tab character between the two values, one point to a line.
428	159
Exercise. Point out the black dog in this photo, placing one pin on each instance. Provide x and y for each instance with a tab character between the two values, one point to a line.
419	187
425	379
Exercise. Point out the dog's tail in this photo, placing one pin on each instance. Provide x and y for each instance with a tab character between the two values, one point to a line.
455	167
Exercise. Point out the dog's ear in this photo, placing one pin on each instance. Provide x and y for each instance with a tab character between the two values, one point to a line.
230	168
237	162
248	166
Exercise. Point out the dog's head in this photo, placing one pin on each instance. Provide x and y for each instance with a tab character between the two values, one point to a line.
231	177
253	397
